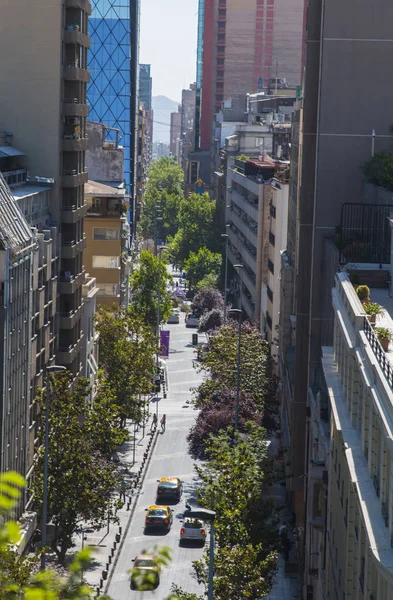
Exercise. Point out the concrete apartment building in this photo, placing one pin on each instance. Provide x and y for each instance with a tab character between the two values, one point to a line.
33	197
51	128
106	256
346	45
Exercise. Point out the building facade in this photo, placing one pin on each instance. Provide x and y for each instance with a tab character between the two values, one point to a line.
106	255
187	131
58	61
145	85
350	492
114	67
175	134
242	44
341	53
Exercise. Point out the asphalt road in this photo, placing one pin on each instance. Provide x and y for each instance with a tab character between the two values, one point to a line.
170	458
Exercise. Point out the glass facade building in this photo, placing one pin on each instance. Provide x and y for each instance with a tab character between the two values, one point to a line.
114	75
145	86
199	68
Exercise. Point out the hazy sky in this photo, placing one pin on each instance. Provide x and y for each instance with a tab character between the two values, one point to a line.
168	43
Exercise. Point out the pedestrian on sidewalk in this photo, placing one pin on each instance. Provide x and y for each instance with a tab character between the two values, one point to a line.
123	488
286	546
163	423
154	422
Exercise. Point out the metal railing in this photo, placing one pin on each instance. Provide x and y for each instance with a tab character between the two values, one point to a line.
379	352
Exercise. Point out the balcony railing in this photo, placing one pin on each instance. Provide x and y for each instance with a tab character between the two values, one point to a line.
379	352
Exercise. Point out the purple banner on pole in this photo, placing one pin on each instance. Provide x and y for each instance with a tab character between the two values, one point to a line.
164	343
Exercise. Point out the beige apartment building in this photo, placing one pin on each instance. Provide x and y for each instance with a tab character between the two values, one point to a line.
105	227
350	470
43	64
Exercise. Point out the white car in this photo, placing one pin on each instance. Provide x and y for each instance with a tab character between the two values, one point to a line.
191	320
193	530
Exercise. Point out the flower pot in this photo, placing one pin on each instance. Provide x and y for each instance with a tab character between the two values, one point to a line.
372	319
385	344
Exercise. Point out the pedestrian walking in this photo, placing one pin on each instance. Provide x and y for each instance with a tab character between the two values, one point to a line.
154	422
123	488
163	423
286	546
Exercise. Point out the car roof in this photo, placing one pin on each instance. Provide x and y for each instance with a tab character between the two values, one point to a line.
169	479
154	506
144	557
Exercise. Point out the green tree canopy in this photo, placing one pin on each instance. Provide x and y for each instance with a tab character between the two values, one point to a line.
144	289
196	227
201	264
81	479
127	349
165	187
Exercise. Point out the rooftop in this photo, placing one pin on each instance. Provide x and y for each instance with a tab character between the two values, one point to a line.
94	188
24	191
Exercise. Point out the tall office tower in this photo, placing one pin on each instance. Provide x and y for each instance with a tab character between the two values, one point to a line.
345	47
114	84
187	133
175	133
241	45
46	111
145	86
145	98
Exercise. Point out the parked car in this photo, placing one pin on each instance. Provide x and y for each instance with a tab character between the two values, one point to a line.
193	530
145	570
158	517
170	488
191	320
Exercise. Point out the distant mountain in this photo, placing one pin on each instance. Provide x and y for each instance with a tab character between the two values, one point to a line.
162	107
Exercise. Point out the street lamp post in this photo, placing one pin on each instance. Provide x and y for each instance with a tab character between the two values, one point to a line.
53	369
206	515
225	235
239	333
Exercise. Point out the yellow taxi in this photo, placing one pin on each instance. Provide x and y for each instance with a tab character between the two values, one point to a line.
158	517
170	488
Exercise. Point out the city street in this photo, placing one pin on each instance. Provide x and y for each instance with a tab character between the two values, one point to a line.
170	458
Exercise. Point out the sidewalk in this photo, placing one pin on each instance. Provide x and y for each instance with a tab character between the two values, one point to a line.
107	542
287	583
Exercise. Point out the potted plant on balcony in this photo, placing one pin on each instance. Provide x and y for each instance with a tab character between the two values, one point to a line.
373	310
363	292
384	336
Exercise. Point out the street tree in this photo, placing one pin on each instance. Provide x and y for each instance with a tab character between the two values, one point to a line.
217	414
127	349
206	300
150	276
164	187
81	479
200	265
220	360
211	321
240	572
196	227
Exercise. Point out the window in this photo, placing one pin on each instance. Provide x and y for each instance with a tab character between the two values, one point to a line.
106	262
106	233
108	289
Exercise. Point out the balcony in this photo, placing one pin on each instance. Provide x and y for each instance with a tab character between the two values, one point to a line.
71	178
74	36
69	319
68	284
82	4
70	249
72	72
106	208
67	354
250	208
72	107
74	144
73	214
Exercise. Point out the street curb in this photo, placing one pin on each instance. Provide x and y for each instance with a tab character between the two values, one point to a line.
116	560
